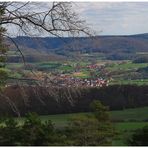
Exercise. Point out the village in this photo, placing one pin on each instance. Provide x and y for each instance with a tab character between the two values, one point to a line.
79	82
65	81
72	80
78	76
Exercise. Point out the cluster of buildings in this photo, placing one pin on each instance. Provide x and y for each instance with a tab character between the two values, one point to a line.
91	66
95	66
78	82
67	80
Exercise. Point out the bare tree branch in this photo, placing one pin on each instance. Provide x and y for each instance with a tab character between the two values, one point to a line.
58	19
23	58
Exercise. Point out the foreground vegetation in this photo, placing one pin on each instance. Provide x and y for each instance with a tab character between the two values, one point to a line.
124	121
76	129
87	130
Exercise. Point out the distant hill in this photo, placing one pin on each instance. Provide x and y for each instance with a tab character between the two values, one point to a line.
111	45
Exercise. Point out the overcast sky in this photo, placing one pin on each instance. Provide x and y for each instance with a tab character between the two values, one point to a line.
115	18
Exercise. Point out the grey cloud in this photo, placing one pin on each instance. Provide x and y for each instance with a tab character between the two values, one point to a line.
117	18
111	17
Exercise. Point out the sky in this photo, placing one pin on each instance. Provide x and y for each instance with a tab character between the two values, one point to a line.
113	18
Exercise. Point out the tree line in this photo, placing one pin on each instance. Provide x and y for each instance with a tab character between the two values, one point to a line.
18	100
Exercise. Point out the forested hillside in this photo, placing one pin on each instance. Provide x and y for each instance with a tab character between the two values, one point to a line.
114	47
45	101
133	43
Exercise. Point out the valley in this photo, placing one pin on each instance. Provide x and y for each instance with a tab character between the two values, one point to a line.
73	73
79	76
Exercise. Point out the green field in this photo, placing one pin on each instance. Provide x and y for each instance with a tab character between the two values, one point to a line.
138	114
14	65
126	66
136	82
125	72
